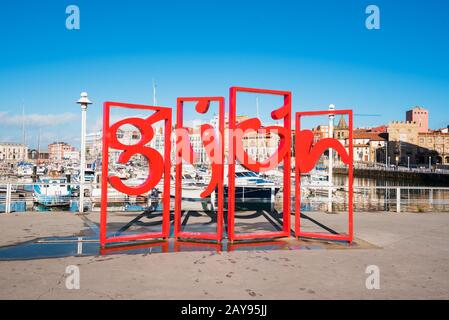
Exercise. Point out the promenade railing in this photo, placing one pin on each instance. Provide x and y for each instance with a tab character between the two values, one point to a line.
20	197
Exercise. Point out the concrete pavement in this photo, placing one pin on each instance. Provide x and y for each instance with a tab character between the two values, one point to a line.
411	251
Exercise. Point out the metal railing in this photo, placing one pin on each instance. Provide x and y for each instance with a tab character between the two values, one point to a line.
19	197
378	198
383	167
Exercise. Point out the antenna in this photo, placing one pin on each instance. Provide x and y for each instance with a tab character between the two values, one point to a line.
154	93
23	121
366	115
257	107
39	144
257	134
23	128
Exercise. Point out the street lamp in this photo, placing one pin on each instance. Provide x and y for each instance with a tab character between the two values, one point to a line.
430	162
84	102
408	162
331	156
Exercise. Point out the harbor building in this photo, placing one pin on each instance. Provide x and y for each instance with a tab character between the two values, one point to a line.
420	116
10	151
320	132
403	142
59	151
94	143
341	130
260	146
412	141
369	146
93	146
39	156
433	145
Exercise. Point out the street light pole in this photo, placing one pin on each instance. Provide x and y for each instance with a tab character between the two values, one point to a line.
408	162
331	158
430	163
84	102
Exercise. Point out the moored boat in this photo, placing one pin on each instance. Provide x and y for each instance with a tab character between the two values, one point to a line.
52	192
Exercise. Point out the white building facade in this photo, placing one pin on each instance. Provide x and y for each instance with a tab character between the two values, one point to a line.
10	151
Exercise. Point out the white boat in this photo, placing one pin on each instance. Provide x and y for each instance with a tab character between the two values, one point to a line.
41	171
317	178
89	176
121	172
114	196
192	187
250	187
52	192
25	170
317	184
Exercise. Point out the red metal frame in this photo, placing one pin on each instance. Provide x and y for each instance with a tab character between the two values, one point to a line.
282	113
190	246
217	177
307	154
114	249
159	166
306	160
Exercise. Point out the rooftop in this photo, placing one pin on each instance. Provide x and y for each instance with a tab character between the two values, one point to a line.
374	136
12	144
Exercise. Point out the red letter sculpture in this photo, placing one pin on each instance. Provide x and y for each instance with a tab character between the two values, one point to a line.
236	152
307	155
214	146
159	166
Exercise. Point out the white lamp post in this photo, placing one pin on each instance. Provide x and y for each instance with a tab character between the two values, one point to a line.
84	102
386	154
331	157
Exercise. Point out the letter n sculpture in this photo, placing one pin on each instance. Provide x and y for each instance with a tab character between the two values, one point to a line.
307	155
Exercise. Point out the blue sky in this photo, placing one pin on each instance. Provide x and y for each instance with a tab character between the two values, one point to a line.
320	50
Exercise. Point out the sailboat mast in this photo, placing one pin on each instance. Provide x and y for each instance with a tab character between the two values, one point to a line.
257	134
39	144
23	129
154	93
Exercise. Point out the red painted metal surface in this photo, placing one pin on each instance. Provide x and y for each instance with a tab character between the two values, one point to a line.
164	245
307	155
185	246
214	147
159	166
282	155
